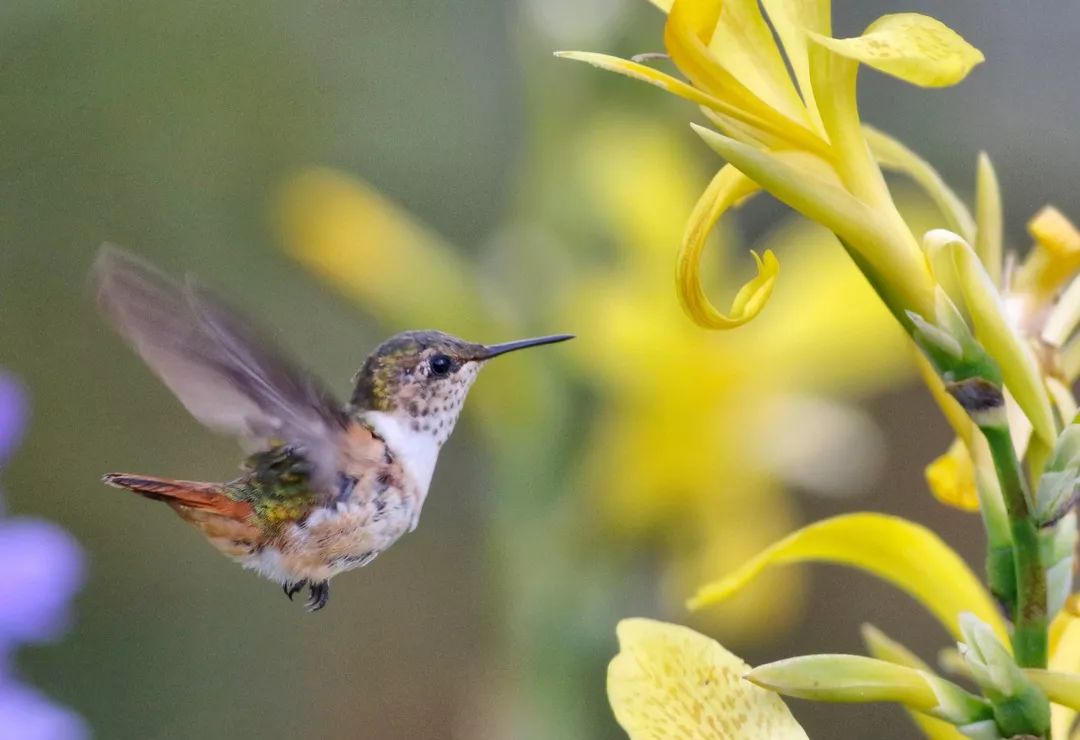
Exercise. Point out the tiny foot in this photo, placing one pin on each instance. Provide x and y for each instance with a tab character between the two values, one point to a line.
320	594
291	588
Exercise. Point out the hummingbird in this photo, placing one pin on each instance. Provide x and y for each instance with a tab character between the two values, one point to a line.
326	486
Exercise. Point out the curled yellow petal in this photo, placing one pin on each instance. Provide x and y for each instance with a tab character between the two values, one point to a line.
907	554
951	478
727	188
890	258
673	683
914	47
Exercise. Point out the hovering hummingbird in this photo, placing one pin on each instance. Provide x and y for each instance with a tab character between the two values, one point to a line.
327	486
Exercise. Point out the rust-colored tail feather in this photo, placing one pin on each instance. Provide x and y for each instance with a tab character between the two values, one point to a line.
192	494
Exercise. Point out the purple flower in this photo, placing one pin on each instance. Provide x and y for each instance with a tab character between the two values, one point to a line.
27	715
41	568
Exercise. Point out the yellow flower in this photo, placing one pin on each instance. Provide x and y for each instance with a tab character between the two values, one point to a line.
798	136
651	681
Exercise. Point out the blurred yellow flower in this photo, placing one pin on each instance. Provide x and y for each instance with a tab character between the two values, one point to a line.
699	436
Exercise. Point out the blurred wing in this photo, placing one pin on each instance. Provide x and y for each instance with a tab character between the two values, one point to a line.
220	367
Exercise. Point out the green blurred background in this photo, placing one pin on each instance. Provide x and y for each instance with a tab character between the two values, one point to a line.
171	127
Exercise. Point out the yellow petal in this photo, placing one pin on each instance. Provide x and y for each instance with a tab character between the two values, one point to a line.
988	218
1061	688
1064	317
892	154
744	45
914	47
726	189
902	552
792	19
689	28
664	5
951	478
665	82
671	683
1054	258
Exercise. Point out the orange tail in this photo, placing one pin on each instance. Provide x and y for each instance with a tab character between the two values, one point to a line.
192	494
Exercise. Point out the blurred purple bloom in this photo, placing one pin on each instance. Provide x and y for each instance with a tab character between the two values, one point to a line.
27	715
41	568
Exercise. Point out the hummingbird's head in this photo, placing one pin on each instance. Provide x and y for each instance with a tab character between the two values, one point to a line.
423	377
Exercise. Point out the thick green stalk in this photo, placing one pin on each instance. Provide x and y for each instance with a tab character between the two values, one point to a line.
1029	634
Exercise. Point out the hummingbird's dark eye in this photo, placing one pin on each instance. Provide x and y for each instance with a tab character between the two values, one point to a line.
440	365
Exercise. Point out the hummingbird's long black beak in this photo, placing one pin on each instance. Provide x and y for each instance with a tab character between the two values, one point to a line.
494	350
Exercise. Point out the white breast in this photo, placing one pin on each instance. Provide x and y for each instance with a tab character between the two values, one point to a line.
417	450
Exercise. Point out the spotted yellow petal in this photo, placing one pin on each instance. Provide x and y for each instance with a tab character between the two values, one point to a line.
671	683
902	552
914	47
726	189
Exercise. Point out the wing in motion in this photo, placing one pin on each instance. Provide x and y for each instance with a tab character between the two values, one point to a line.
220	367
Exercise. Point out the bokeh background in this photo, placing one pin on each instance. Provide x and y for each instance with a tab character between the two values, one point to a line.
467	180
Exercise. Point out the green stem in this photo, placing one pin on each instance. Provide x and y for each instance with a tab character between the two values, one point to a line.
1029	634
1000	566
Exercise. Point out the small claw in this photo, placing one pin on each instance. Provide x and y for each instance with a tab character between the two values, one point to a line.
291	588
320	594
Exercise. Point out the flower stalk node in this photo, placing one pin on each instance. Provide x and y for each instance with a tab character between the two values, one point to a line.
978	397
